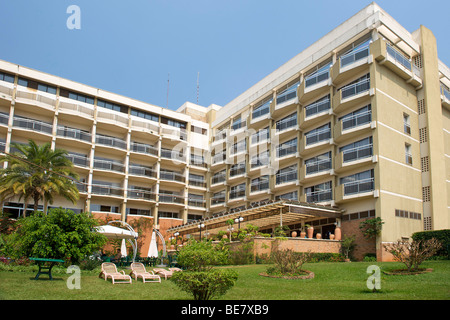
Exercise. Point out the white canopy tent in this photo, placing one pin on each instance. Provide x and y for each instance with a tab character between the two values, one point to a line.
112	232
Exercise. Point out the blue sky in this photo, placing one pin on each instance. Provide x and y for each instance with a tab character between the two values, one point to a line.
131	47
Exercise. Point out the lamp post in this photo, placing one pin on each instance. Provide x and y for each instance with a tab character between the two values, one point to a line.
239	220
200	226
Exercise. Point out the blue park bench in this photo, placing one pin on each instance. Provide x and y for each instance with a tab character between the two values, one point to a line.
42	263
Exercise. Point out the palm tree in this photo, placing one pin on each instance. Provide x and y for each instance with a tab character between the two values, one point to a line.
38	173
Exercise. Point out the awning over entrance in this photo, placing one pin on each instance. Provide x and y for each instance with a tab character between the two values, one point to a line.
282	212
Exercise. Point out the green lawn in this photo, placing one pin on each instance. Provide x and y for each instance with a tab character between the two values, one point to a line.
333	281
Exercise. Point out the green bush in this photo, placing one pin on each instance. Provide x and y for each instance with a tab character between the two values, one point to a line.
443	236
202	255
205	285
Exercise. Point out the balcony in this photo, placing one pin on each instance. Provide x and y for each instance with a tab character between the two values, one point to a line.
261	112
112	119
45	101
319	196
174	199
110	142
173	157
287	177
145	129
106	190
172	177
69	108
217	201
139	171
393	59
79	160
4	119
144	151
356	189
173	133
354	158
352	94
316	84
109	165
315	140
6	91
219	160
197	183
315	170
350	64
259	186
315	112
196	203
445	96
287	97
77	135
354	125
141	194
37	126
287	149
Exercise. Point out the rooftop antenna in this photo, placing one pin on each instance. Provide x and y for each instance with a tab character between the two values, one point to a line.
168	81
198	86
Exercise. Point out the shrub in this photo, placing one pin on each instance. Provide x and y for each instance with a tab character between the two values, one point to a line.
199	278
287	262
205	285
242	253
413	253
371	227
443	236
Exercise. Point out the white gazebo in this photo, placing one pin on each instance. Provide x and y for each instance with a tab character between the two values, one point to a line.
112	232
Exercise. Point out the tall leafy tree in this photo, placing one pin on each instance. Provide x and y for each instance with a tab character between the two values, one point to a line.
38	173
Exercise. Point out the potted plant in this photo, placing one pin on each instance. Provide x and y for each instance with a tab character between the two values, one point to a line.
302	233
310	230
348	244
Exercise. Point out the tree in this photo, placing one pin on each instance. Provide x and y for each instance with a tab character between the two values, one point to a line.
38	173
413	253
371	227
62	234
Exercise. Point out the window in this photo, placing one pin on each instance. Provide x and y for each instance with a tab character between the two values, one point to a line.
6	77
356	87
218	197
237	123
288	93
196	200
408	155
288	196
112	106
173	123
199	130
261	135
261	159
36	85
237	169
406	124
218	177
144	115
76	96
238	147
262	108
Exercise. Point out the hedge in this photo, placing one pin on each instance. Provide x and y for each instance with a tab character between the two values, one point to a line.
442	235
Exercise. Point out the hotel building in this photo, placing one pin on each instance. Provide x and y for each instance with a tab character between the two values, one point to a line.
356	126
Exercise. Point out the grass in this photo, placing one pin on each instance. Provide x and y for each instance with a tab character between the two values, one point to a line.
332	281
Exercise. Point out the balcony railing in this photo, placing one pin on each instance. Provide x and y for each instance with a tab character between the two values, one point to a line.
317	78
220	157
261	110
318	166
110	141
78	160
218	178
357	153
109	165
355	89
360	186
141	194
356	120
107	190
259	186
288	94
286	149
201	203
318	136
197	183
317	107
398	57
142	171
74	133
237	170
34	125
171	176
171	198
4	118
234	194
319	196
286	123
172	154
217	200
144	148
354	56
285	177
